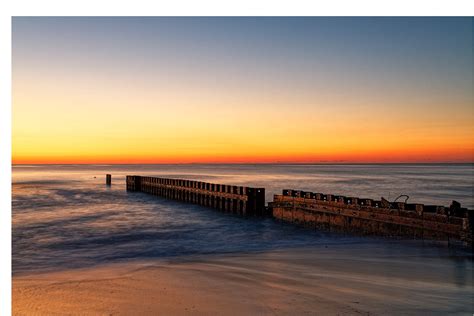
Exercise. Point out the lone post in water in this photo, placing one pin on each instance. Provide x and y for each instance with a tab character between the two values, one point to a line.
108	179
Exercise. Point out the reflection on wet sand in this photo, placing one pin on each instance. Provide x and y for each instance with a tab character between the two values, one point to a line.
298	281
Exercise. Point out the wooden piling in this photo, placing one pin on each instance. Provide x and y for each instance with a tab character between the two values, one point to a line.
227	198
374	217
318	210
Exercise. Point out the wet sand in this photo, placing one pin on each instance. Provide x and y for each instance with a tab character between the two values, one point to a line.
323	281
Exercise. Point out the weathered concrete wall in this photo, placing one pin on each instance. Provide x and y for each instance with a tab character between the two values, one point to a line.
367	216
228	198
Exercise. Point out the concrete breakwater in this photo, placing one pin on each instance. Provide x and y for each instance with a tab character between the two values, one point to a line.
367	216
321	211
228	198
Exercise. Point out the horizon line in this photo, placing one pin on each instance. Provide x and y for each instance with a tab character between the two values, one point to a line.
260	163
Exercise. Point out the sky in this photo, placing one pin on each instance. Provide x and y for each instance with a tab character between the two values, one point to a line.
242	90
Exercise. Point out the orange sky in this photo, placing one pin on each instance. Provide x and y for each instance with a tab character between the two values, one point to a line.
120	91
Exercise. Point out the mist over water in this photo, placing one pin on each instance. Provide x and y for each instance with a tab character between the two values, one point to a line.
64	216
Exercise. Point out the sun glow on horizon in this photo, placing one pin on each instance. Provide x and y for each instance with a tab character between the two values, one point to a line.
125	90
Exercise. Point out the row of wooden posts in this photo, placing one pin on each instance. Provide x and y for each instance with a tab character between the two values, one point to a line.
351	214
229	198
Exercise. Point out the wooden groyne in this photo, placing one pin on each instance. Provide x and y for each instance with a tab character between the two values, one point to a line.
228	198
321	211
367	216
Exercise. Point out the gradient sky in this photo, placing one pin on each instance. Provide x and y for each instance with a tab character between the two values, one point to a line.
177	90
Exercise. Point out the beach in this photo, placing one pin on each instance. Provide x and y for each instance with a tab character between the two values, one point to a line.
83	248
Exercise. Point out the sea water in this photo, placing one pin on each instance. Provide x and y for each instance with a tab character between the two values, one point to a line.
64	216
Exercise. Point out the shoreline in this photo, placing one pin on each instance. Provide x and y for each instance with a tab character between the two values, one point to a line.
290	281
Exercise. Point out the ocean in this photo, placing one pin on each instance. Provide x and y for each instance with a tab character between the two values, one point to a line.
65	217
